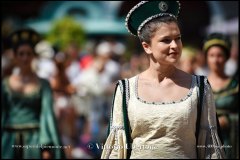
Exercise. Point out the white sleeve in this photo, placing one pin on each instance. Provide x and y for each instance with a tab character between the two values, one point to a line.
210	146
116	141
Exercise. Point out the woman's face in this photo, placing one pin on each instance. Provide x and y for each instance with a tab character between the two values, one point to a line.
24	55
166	44
216	58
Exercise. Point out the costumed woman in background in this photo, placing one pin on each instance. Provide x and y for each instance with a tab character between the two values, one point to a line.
28	121
217	48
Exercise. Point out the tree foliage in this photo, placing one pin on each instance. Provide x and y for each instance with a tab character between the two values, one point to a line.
66	31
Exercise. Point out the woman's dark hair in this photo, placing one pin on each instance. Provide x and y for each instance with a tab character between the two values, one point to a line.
149	29
15	48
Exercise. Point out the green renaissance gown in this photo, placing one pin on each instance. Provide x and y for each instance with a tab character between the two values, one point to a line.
227	103
29	124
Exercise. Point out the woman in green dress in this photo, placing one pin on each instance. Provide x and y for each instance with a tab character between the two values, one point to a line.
217	48
28	121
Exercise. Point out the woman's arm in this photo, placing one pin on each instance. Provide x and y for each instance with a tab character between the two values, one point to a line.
116	140
210	145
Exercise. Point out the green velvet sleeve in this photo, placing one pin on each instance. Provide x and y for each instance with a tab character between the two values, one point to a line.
49	134
3	112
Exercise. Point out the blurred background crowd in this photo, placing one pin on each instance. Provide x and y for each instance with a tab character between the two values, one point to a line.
85	49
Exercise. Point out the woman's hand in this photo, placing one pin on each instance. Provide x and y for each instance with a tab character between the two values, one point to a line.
223	122
46	155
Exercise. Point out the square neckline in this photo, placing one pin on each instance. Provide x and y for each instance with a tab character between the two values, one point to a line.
34	93
193	80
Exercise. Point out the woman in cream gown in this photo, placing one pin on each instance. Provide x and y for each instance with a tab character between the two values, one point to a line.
162	100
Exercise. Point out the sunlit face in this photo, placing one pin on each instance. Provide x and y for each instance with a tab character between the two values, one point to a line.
166	44
216	58
24	55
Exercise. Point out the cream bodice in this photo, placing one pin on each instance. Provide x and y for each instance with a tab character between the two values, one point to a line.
162	129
